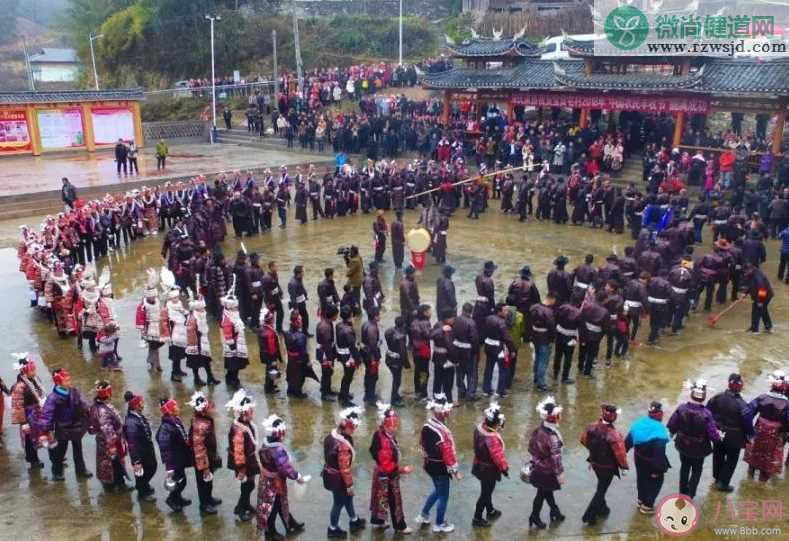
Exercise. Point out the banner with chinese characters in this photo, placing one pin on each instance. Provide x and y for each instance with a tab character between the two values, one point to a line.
61	128
613	102
111	124
14	132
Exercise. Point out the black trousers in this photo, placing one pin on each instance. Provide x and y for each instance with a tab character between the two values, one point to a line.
421	375
597	507
760	312
658	318
443	378
371	367
543	495
180	484
58	455
31	452
724	461
589	353
243	499
133	168
689	474
326	375
143	483
782	266
160	162
485	500
397	378
204	489
635	321
563	358
347	379
122	165
648	482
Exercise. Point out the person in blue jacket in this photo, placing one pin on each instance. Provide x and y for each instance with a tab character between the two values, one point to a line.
648	438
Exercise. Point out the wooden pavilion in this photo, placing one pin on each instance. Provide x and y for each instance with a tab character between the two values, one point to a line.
510	71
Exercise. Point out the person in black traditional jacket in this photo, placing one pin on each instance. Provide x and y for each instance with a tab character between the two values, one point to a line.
298	297
298	368
176	454
347	354
397	357
728	409
490	463
371	354
446	299
337	472
242	450
139	440
202	440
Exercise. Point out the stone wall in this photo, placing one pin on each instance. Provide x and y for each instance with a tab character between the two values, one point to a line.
176	132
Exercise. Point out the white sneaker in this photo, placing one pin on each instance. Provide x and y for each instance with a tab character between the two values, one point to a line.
444	528
422	520
404	531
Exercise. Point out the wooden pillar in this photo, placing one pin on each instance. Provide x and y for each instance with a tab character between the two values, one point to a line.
87	122
679	128
445	112
510	109
137	116
583	120
32	128
778	130
587	66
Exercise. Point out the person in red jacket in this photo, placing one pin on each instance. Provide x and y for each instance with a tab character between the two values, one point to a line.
386	496
607	456
490	463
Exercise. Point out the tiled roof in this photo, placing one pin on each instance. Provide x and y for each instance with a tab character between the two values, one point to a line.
746	75
63	96
55	56
628	81
481	47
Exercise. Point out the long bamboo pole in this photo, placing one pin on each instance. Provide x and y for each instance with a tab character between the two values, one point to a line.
470	179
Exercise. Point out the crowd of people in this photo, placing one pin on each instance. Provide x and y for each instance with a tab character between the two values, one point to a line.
63	417
660	277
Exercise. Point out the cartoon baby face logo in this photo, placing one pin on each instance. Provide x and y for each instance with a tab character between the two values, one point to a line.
677	515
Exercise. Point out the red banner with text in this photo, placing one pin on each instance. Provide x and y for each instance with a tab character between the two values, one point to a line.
613	102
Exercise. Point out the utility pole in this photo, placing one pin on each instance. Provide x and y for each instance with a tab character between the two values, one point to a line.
28	66
299	73
93	58
401	32
276	71
213	19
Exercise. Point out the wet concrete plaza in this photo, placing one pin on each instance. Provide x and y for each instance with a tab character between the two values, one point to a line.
29	174
35	508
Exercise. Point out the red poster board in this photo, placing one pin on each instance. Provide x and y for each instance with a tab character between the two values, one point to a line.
14	132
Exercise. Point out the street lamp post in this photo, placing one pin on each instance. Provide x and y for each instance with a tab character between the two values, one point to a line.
93	58
213	76
401	32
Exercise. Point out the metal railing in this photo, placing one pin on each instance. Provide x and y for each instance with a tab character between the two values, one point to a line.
222	91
